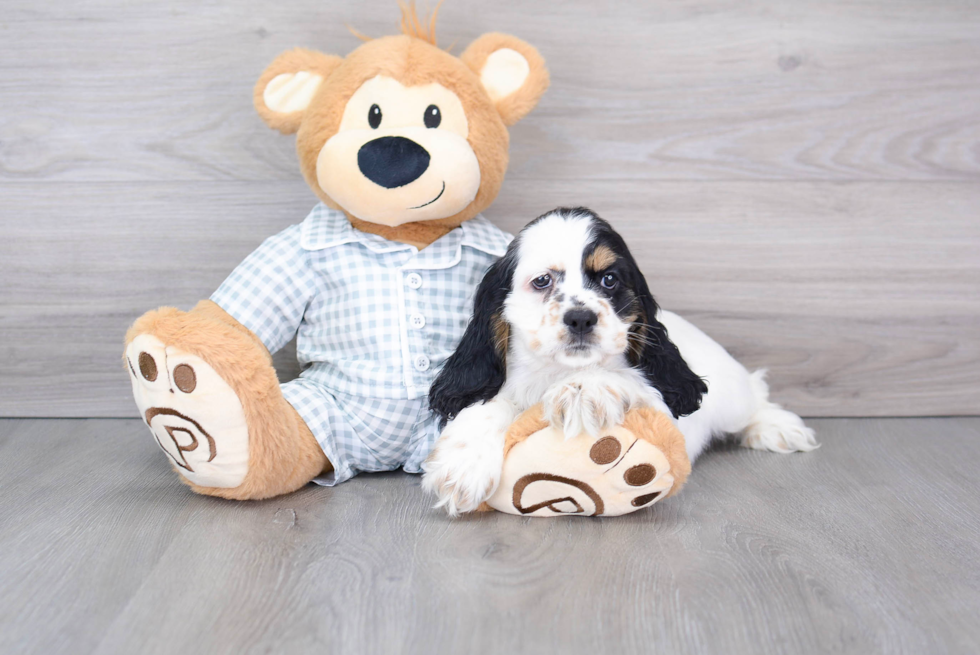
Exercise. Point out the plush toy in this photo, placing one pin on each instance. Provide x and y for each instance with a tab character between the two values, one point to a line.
404	144
631	466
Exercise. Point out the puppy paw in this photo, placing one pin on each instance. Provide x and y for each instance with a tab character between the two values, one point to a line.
194	415
585	405
463	469
460	479
775	429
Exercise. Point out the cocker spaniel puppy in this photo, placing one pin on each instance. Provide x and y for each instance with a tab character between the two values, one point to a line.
565	318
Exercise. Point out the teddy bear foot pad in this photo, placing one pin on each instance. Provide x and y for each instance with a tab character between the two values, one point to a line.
547	475
194	415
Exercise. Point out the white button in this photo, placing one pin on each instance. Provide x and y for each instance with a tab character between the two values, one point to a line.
421	363
417	321
414	280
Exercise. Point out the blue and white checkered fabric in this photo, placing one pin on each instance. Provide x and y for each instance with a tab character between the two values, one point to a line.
376	321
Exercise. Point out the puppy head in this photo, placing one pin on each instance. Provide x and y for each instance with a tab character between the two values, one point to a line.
574	300
568	292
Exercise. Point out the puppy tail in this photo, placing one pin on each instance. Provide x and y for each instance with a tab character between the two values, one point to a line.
772	427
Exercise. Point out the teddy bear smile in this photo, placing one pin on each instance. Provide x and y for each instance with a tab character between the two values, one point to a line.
434	199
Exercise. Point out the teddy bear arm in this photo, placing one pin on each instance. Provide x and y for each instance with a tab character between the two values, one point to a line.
657	429
524	426
628	467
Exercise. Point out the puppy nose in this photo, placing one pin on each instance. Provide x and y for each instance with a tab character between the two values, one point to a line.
392	161
580	321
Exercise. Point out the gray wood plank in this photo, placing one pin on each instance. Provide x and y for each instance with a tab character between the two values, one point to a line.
799	178
852	296
709	89
867	545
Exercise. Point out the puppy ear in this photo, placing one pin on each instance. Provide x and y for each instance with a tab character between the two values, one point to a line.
652	351
512	73
478	368
286	88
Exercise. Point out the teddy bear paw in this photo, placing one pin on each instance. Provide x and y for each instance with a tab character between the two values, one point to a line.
194	415
548	475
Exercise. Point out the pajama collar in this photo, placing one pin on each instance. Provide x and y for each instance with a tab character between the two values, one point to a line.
328	228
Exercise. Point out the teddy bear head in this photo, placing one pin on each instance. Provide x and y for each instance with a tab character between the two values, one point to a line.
406	139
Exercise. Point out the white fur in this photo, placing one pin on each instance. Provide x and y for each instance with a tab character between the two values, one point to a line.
736	403
587	391
465	467
594	398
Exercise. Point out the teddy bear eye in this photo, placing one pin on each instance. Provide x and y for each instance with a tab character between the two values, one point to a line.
432	116
374	117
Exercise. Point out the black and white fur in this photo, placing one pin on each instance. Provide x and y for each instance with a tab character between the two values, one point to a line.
566	319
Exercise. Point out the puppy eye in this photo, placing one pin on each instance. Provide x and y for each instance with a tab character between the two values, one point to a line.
374	117
432	116
541	282
609	281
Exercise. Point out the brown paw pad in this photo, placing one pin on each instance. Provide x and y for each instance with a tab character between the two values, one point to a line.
148	366
185	378
645	499
639	475
605	451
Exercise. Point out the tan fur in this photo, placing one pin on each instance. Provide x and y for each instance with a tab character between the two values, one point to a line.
636	336
292	61
600	259
420	235
656	428
412	26
501	335
526	424
517	105
283	454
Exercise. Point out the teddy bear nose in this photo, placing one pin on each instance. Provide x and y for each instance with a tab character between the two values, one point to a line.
392	161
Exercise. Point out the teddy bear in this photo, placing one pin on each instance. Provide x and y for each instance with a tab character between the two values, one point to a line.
404	144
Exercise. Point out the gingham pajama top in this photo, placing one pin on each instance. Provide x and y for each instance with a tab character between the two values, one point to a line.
375	321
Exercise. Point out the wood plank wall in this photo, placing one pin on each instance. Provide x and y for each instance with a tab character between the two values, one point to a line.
801	179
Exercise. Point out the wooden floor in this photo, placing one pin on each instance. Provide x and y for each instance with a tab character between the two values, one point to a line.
869	545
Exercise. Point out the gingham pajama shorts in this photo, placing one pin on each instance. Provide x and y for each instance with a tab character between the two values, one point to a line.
364	434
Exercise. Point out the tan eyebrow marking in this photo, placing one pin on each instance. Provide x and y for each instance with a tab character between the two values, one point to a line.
601	258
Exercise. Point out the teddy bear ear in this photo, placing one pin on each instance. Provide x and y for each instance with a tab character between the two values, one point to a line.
512	73
286	88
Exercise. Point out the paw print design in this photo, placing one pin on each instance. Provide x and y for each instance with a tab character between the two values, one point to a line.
194	415
547	475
